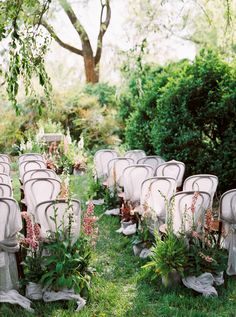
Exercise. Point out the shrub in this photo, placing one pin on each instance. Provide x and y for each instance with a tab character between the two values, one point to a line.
196	119
187	112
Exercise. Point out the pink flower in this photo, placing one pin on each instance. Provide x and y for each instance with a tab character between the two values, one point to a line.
89	223
194	201
195	234
208	259
32	232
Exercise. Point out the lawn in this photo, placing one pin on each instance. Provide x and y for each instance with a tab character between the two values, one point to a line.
120	288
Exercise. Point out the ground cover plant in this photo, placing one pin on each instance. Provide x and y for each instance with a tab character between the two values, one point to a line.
120	288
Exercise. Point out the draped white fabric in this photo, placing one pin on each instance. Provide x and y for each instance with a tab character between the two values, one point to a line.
228	216
9	226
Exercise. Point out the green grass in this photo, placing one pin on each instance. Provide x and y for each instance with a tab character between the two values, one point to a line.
121	289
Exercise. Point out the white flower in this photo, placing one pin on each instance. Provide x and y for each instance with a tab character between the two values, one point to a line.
81	143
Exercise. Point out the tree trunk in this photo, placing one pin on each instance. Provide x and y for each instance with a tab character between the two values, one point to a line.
92	76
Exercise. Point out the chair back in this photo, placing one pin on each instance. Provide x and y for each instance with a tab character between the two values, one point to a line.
153	161
30	157
174	169
63	210
101	159
228	235
202	182
135	155
133	176
5	158
5	168
39	173
115	171
155	195
188	210
40	189
5	190
28	165
5	179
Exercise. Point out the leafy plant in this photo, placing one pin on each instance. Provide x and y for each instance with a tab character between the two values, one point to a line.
95	189
111	199
168	255
67	261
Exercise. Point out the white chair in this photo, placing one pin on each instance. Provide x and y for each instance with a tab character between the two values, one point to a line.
39	173
5	168
133	176
5	158
5	190
155	195
153	161
26	166
228	236
10	225
62	209
31	157
187	210
202	182
173	169
135	155
39	190
115	171
5	179
101	159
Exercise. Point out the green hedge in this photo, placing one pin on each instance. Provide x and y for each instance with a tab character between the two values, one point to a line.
190	116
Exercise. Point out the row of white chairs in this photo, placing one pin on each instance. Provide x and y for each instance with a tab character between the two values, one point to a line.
41	187
5	177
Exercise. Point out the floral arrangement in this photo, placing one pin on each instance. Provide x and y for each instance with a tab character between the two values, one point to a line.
62	260
191	252
32	246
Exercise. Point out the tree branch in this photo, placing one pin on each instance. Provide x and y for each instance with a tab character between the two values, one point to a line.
58	40
103	27
75	22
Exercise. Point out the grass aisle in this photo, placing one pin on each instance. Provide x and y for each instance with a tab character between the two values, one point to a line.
120	288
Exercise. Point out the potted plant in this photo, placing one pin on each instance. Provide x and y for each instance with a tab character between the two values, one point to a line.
32	247
67	260
169	257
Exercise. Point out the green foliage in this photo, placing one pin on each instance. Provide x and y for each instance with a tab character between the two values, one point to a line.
187	112
111	199
95	189
141	104
169	255
67	261
32	265
19	22
196	117
105	94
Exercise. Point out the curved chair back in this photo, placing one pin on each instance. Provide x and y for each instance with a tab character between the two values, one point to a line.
101	159
30	157
63	210
153	161
228	236
26	166
202	182
5	158
188	210
10	225
155	195
5	190
40	189
39	173
115	171
174	169
134	175
135	155
5	168
5	179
